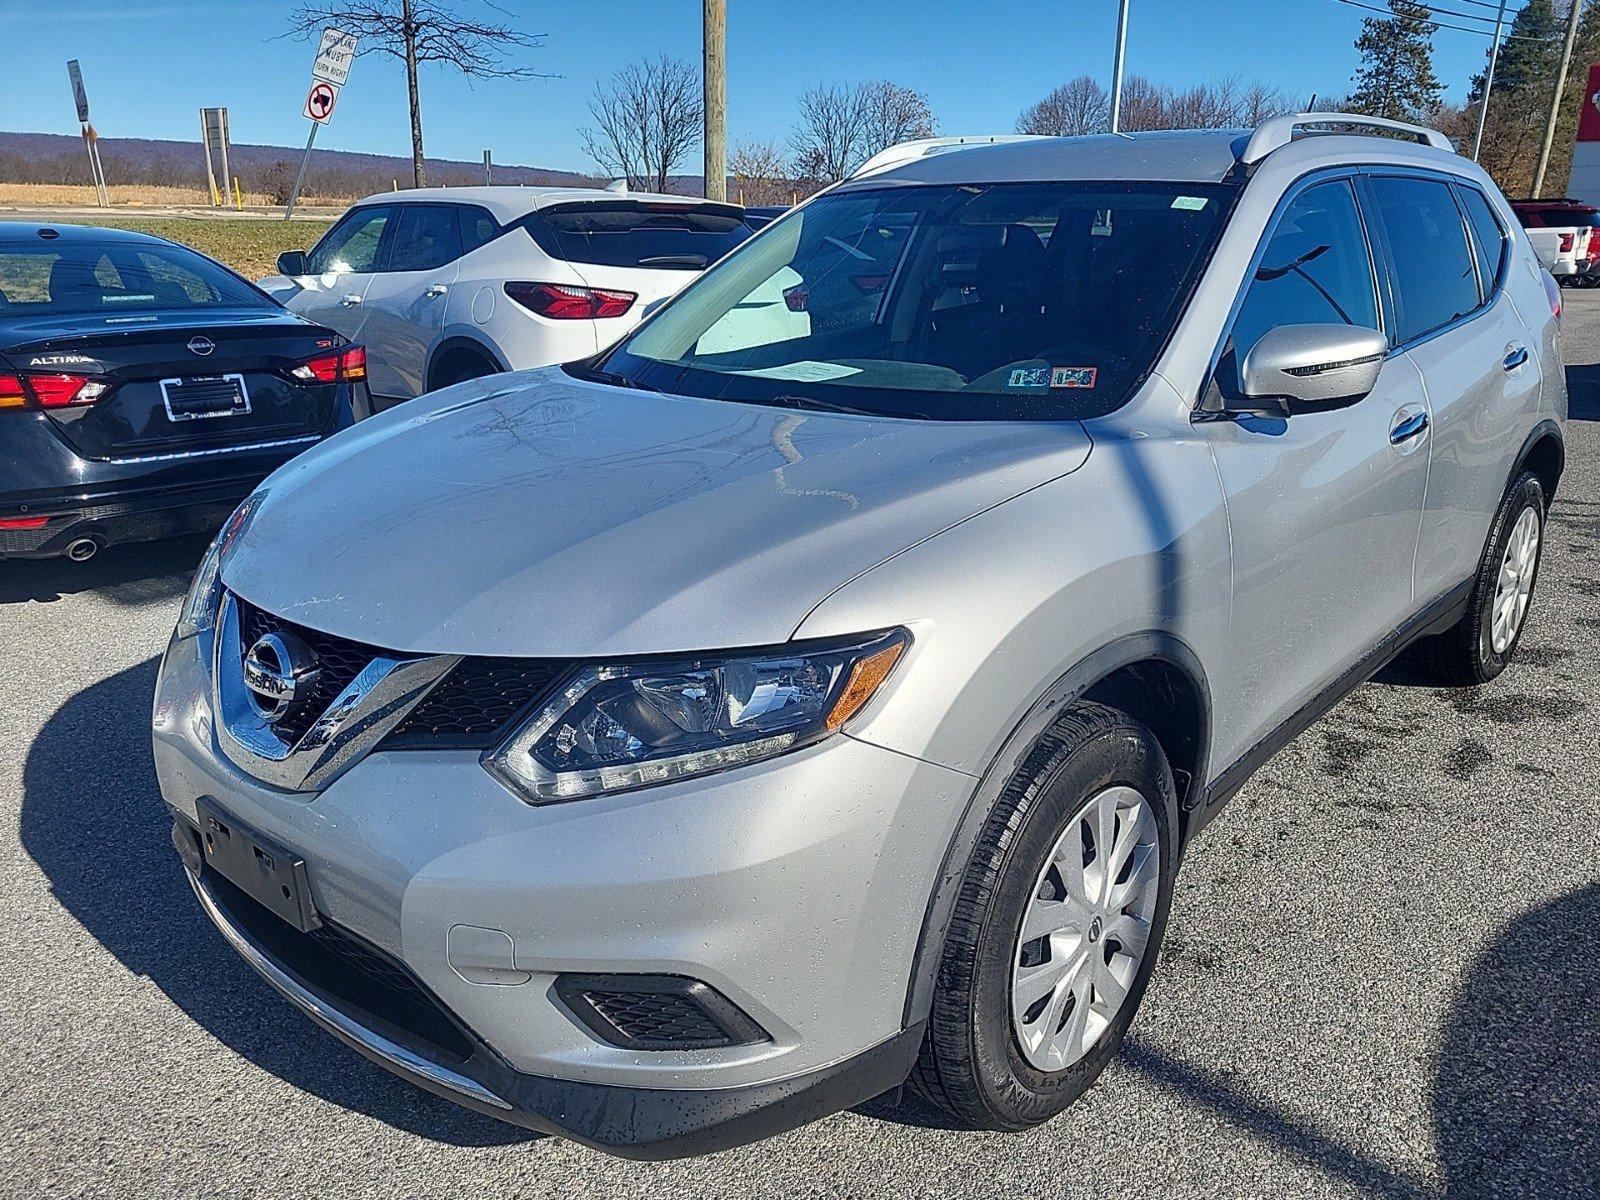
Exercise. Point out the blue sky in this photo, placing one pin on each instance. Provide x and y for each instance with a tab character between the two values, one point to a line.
151	64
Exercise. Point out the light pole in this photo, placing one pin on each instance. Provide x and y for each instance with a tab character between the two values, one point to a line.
1488	81
1116	66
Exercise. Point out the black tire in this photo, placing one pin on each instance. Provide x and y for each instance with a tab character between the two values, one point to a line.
1464	655
459	366
971	1064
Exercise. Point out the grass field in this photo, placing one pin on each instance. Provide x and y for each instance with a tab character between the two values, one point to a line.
249	245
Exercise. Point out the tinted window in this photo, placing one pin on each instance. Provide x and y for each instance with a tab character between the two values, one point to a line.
1433	276
112	277
351	246
477	228
975	302
664	237
1314	271
425	236
1488	239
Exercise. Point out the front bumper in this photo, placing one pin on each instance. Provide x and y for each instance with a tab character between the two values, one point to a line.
795	888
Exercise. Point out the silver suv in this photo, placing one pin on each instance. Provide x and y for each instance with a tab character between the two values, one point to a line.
819	690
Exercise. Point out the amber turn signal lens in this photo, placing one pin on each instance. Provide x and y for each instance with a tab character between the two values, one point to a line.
865	678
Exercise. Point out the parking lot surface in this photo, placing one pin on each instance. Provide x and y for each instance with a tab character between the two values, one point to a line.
1382	976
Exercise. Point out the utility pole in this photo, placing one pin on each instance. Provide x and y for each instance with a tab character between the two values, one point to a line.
715	81
1488	80
1116	67
1555	97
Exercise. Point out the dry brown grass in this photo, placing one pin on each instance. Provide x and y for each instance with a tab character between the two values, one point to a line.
130	194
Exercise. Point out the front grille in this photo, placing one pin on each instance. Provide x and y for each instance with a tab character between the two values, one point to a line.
477	703
356	976
472	708
340	660
656	1012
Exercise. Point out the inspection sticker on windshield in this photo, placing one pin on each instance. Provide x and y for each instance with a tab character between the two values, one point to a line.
1029	377
1073	377
1189	203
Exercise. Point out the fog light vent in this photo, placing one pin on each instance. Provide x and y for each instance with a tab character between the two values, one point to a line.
656	1012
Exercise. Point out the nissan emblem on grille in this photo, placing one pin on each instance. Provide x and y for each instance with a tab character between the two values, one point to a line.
201	345
279	669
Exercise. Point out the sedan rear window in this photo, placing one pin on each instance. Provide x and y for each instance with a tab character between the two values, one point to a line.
58	277
634	234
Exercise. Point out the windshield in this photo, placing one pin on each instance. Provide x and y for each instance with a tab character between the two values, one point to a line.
636	234
975	302
50	278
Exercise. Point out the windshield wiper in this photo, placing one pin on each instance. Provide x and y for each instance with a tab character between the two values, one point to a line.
850	410
615	380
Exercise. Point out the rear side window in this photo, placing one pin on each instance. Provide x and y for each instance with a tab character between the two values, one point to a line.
351	246
1316	270
478	228
1488	239
115	277
425	236
1434	278
658	237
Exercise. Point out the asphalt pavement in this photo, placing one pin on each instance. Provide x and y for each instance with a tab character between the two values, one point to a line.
1382	977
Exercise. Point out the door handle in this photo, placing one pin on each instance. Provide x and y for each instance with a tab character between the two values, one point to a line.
1514	358
437	289
1407	427
349	301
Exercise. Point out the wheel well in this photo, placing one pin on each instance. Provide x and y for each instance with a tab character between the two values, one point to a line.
1163	697
1546	458
453	352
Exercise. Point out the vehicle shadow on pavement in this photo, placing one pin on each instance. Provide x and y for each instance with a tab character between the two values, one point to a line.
1516	1090
93	820
1583	392
134	574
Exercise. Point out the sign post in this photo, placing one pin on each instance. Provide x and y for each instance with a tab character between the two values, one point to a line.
214	133
97	174
328	74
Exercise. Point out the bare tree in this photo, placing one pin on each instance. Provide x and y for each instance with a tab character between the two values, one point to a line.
840	127
893	114
420	31
646	120
1077	107
760	174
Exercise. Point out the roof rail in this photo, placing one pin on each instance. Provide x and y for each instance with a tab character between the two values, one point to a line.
1280	131
904	152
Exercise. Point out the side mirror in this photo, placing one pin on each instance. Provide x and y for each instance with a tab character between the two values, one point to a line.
1310	367
292	262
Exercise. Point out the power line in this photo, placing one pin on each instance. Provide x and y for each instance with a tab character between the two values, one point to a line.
1519	37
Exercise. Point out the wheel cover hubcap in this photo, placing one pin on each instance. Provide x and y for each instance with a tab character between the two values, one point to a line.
1086	929
1514	584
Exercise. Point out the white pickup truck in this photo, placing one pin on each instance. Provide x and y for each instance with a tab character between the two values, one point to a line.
1566	236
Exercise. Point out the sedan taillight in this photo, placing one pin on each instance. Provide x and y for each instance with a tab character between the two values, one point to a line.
337	366
65	391
564	302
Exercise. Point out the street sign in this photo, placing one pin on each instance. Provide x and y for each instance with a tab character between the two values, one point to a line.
75	73
334	56
320	101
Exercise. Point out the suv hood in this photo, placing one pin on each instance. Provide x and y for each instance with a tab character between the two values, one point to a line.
539	515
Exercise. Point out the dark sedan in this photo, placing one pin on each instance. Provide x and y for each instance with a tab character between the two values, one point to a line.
145	389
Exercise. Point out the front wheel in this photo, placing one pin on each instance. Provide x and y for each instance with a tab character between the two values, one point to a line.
1057	927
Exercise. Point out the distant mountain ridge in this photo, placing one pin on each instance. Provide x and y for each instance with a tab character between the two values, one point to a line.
59	158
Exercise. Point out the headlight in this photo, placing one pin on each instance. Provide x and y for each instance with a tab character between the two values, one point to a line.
199	611
619	726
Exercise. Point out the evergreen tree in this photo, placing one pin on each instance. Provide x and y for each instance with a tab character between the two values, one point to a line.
1396	78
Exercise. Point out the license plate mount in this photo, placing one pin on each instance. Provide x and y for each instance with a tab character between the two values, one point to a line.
202	397
270	875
